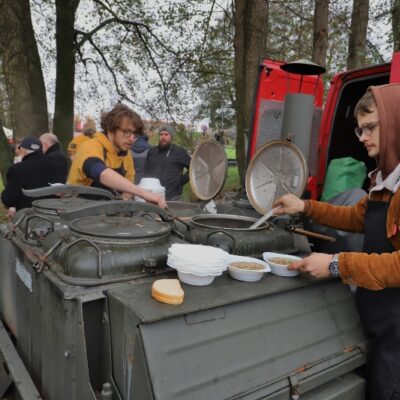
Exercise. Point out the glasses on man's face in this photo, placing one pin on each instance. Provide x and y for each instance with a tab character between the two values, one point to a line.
366	129
127	132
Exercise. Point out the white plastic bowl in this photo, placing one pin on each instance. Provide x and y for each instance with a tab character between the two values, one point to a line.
280	269
195	280
246	275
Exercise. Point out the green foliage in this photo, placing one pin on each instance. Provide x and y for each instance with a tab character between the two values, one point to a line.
230	153
184	138
176	58
232	183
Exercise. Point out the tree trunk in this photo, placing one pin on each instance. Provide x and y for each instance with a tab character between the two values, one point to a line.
320	36
6	155
63	125
358	34
22	69
396	25
250	43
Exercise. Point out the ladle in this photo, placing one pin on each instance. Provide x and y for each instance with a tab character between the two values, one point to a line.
299	231
264	218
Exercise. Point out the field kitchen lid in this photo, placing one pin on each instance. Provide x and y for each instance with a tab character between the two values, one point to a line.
116	227
276	169
208	169
54	206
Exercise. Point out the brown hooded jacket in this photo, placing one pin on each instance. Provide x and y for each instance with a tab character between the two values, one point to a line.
372	271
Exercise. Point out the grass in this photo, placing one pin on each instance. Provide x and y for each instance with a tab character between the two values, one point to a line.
231	185
230	153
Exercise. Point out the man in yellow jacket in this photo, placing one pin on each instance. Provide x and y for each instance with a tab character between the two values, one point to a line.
105	161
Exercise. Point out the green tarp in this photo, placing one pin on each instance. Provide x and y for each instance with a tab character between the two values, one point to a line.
343	174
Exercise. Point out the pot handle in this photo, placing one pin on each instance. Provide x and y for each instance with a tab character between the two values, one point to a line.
68	191
311	234
29	230
222	245
90	243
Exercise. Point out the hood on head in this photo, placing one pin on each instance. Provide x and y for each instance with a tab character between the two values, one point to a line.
387	99
141	144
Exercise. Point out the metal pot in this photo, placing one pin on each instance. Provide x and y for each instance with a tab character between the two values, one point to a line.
106	241
32	225
232	234
240	206
185	209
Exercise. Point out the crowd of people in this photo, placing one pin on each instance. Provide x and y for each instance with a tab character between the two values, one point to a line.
115	158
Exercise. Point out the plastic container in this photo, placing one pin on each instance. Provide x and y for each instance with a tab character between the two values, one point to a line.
195	280
246	275
278	268
152	185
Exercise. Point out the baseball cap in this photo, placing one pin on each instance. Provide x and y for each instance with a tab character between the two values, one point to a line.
31	143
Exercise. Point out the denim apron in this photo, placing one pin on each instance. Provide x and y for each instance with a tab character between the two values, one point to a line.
380	314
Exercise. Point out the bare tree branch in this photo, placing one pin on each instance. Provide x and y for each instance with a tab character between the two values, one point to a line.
110	69
164	86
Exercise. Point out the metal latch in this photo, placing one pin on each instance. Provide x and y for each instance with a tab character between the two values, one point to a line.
294	387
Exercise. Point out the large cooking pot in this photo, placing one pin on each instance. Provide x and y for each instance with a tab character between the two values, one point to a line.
232	234
106	241
185	209
238	206
32	225
181	213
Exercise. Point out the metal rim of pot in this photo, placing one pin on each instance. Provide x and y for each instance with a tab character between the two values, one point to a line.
201	221
119	228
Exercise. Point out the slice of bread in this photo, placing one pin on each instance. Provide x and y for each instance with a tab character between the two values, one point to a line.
168	291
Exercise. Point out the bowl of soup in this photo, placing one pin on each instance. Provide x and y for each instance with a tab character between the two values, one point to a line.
279	264
247	269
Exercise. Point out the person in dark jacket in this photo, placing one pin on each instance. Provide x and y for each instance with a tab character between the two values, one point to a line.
169	163
59	160
139	151
34	171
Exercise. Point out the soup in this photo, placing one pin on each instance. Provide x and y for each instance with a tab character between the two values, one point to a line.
281	260
250	266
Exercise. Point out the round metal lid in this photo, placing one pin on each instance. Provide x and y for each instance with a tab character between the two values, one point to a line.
277	168
53	206
208	169
303	67
113	227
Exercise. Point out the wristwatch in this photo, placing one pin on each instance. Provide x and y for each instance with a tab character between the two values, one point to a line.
334	266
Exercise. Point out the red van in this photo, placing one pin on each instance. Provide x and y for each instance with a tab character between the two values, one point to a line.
332	126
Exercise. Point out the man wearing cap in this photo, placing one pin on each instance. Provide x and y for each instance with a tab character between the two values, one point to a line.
59	160
34	171
168	163
105	161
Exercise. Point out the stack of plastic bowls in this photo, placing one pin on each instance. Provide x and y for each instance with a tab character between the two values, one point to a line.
197	264
152	185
